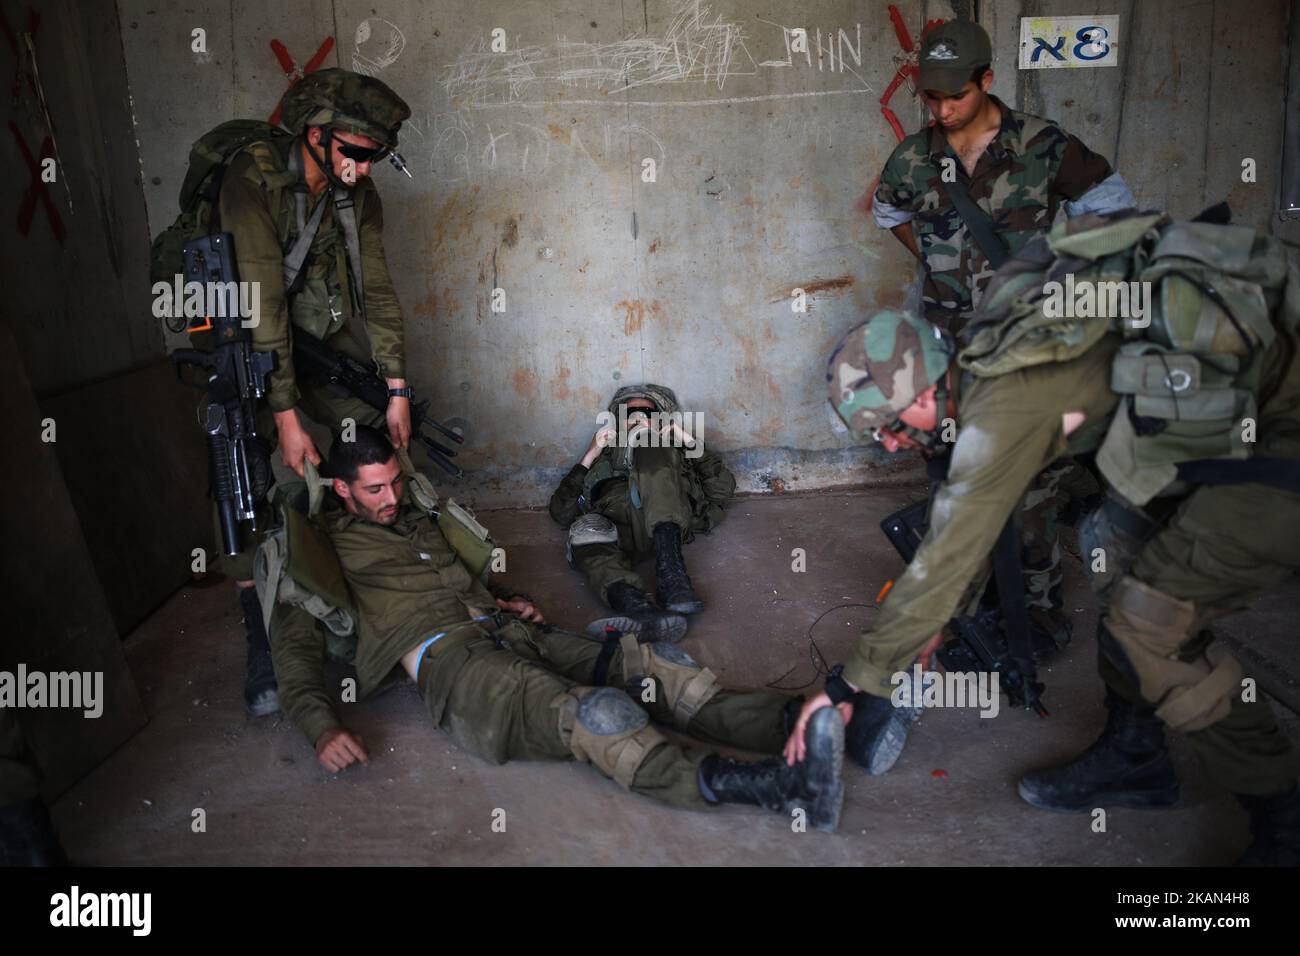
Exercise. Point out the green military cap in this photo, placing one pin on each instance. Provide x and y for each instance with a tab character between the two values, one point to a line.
341	99
950	53
879	368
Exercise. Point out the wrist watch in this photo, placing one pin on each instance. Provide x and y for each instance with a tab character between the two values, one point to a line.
837	688
404	392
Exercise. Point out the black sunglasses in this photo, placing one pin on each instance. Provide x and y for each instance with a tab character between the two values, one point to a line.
362	154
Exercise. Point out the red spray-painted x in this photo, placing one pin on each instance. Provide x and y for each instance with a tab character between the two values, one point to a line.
291	69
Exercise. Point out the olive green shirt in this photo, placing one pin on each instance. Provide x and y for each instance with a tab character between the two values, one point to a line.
1009	429
256	207
407	584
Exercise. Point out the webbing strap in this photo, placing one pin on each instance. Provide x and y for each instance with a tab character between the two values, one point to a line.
346	214
977	221
1278	472
695	695
297	255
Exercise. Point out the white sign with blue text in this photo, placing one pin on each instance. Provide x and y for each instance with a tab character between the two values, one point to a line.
1053	43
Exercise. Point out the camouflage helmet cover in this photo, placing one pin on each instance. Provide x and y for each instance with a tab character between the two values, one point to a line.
879	368
664	398
341	99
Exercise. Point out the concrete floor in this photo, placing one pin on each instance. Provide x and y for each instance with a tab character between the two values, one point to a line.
950	800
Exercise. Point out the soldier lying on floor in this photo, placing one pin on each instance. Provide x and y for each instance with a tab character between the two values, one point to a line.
402	574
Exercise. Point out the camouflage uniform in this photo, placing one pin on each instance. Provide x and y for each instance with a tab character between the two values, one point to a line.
502	688
1217	548
1020	180
638	489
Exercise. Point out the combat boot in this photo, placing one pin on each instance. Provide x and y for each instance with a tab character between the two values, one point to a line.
878	730
636	615
27	836
1128	766
1275	826
260	696
674	585
812	785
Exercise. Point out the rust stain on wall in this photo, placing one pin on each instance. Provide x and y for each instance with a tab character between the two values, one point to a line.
830	286
525	382
635	313
560	390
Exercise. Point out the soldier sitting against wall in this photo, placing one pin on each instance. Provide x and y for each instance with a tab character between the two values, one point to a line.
644	483
503	684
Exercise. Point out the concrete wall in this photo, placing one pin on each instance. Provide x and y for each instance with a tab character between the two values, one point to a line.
528	177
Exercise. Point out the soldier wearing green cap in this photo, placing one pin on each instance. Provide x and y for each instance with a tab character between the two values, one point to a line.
272	193
1016	171
1192	411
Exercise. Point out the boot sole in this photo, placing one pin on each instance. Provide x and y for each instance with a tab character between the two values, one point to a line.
1130	799
884	751
263	705
665	629
825	737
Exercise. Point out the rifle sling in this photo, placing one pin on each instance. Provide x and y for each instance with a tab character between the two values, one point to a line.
1011	599
977	221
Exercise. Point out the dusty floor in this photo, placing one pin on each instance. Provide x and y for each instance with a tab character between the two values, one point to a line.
950	800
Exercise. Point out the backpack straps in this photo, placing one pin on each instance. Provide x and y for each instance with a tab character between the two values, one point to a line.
346	214
297	255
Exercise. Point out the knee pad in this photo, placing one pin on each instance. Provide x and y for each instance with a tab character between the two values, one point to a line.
590	529
604	726
1115	531
687	686
1151	627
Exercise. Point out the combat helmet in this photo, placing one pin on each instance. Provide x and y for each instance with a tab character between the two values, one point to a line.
347	101
879	368
663	397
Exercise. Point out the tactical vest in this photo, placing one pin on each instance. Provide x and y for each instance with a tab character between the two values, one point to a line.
321	294
1188	373
296	563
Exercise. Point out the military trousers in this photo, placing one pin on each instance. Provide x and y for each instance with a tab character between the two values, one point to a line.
654	492
498	695
1224	547
1040	532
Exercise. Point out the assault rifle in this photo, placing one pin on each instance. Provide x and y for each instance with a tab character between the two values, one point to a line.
313	360
985	641
239	464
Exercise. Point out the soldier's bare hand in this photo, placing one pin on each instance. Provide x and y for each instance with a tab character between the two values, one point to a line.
337	749
603	438
795	747
526	610
295	443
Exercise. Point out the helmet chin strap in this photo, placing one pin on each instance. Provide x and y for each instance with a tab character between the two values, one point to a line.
327	169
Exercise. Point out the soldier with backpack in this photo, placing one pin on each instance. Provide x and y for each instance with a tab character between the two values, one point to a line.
1191	404
306	225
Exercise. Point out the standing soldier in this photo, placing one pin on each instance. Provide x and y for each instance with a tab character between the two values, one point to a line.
273	192
962	195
